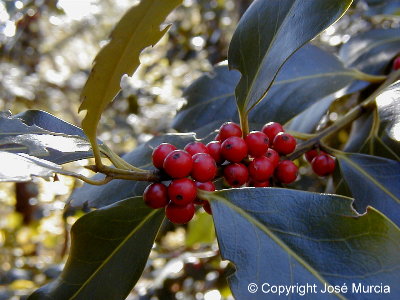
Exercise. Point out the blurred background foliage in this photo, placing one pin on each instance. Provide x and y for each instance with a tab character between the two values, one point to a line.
46	51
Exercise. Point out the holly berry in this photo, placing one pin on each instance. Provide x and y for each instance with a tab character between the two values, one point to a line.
214	149
259	184
195	147
257	143
160	153
236	174
207	207
204	167
286	171
182	191
178	164
206	186
312	153
396	63
271	129
234	149
261	169
323	164
273	156
284	143
229	129
156	195
179	214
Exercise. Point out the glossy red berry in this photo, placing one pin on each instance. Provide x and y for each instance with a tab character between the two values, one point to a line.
214	149
284	143
286	171
204	167
206	186
323	164
236	174
312	153
182	191
271	129
160	153
259	184
273	156
207	207
195	147
179	214
234	149
178	164
396	63
257	143
156	195
261	169
229	129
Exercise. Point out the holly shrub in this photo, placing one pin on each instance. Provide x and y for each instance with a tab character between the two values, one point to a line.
255	136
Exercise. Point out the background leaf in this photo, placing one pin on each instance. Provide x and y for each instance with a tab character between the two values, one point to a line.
268	34
373	181
99	196
19	167
138	29
109	250
262	231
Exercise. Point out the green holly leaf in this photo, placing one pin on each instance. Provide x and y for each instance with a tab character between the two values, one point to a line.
109	250
287	237
268	34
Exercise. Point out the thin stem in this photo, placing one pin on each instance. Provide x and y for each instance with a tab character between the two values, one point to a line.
244	122
368	77
117	161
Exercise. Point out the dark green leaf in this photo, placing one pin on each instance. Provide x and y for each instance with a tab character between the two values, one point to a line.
20	167
55	146
99	196
284	237
109	250
383	7
268	34
373	181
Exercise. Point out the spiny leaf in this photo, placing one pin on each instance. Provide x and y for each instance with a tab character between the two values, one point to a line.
109	250
138	29
263	232
268	34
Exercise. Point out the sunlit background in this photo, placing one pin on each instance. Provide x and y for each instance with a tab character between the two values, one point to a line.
46	50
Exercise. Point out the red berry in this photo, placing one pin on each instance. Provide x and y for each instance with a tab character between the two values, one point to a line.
234	149
273	156
195	147
312	153
259	184
156	195
257	143
182	191
323	164
206	186
207	207
160	153
284	143
229	129
214	149
178	164
286	171
204	167
261	169
396	63
236	174
271	129
179	214
218	138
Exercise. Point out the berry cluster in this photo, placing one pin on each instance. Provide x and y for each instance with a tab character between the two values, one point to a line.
321	162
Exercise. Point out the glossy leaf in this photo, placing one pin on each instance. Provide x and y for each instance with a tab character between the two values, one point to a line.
20	167
373	181
268	34
263	233
138	29
58	147
99	196
309	76
109	250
